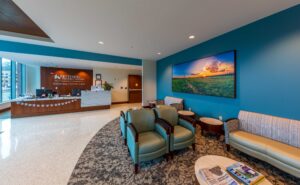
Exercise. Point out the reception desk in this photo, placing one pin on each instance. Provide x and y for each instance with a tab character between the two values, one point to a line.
89	100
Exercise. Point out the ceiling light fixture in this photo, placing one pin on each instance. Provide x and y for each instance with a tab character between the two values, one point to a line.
159	53
100	42
191	36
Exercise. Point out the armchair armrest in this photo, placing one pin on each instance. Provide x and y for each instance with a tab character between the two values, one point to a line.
165	125
122	114
188	125
230	125
189	120
134	132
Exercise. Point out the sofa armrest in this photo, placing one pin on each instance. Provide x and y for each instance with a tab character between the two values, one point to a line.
230	125
188	124
133	132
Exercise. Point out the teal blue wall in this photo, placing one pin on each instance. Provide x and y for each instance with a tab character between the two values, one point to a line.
268	68
66	53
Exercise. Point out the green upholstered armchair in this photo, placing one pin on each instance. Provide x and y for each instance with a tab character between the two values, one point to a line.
123	125
182	129
146	139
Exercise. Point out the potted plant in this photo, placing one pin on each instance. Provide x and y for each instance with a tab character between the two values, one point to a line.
107	86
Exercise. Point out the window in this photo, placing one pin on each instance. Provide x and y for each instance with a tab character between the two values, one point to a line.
12	79
6	80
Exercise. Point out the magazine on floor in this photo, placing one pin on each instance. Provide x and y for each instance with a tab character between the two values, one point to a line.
216	176
246	174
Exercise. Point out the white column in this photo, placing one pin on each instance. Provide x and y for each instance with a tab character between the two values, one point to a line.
149	81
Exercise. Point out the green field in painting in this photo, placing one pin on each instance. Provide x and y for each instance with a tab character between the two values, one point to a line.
212	86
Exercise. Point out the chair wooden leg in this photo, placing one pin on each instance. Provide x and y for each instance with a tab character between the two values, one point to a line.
166	156
125	142
136	168
194	146
172	155
228	147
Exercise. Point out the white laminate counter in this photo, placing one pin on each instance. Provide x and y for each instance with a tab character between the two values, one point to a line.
95	98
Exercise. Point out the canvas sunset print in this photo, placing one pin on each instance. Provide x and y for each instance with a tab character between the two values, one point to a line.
212	76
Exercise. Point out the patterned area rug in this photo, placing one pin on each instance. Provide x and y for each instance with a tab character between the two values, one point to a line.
105	161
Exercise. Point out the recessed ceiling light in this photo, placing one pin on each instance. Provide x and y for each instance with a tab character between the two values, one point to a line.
159	53
191	36
100	42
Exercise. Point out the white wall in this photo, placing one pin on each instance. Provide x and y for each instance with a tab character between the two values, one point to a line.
119	79
33	78
149	81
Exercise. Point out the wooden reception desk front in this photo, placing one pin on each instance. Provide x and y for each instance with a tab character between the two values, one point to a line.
89	100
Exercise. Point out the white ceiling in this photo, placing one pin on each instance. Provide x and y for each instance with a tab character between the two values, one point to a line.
47	61
141	28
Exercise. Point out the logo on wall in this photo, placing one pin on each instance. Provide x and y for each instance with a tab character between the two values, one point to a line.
68	80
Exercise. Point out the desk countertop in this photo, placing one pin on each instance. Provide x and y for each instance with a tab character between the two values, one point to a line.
43	99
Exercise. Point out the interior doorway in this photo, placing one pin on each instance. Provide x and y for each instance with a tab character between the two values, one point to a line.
134	88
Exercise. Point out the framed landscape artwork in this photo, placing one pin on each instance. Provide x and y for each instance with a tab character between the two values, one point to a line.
211	76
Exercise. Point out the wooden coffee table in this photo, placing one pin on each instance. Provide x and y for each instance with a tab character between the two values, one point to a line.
211	125
210	161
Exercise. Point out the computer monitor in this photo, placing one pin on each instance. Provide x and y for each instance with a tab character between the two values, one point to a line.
40	93
76	92
48	91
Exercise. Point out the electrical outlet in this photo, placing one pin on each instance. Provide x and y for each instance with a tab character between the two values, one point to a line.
220	118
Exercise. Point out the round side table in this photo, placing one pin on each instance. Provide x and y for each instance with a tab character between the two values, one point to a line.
186	113
211	125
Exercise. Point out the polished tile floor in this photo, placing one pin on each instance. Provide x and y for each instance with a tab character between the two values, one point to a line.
44	150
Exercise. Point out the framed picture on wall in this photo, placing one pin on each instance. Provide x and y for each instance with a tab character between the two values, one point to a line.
212	76
98	83
98	77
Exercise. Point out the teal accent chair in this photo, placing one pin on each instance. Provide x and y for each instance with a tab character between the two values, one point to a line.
123	125
146	138
182	129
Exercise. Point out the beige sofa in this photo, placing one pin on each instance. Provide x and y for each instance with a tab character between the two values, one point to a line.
268	138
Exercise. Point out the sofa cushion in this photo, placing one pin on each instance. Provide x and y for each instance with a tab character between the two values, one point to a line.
150	142
285	153
181	134
252	141
272	127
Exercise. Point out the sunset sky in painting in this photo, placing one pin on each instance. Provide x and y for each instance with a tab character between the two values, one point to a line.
220	64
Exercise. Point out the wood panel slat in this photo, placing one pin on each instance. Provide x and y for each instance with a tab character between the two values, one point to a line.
13	19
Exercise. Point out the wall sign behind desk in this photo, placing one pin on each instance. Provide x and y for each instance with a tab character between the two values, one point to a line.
65	79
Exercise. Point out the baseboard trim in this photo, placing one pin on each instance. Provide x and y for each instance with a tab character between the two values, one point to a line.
120	102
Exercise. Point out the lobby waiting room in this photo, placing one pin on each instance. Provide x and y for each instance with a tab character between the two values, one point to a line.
138	92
